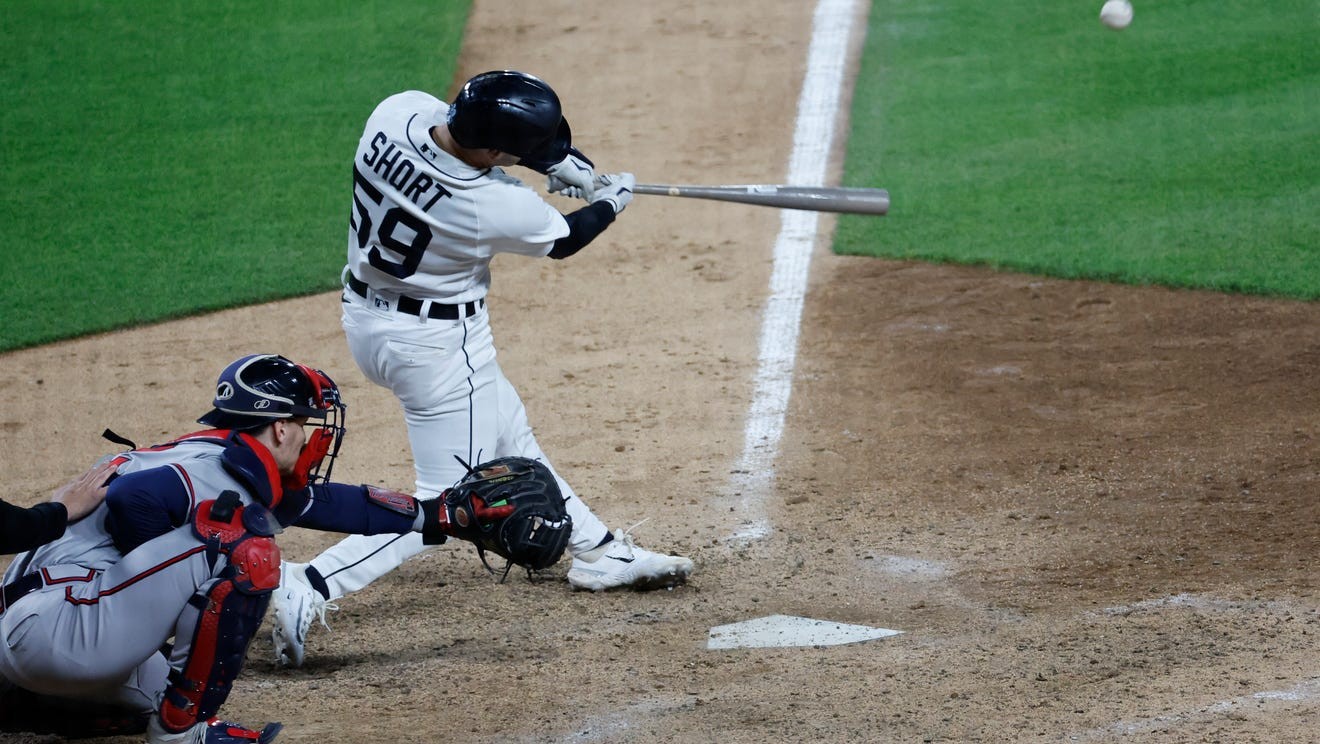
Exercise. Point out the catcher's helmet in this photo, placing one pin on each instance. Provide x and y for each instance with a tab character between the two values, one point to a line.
511	112
258	389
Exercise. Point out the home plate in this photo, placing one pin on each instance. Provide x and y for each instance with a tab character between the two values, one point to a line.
786	631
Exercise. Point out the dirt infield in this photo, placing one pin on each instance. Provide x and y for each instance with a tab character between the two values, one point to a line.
1091	509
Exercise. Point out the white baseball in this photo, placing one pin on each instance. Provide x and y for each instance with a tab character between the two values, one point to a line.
1116	14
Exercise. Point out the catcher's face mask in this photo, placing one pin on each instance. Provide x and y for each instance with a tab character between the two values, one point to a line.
328	415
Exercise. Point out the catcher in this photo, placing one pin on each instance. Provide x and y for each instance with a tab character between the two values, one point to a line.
139	617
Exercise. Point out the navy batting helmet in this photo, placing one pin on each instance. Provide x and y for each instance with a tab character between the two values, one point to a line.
511	112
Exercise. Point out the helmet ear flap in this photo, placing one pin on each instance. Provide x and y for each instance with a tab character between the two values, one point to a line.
553	151
325	393
315	378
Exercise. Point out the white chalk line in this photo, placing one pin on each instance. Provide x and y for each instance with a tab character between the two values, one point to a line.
1195	602
813	138
1304	693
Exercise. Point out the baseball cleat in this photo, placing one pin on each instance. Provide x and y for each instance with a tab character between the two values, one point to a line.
296	604
214	731
621	563
223	732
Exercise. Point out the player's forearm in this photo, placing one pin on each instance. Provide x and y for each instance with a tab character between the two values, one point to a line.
583	227
359	510
24	529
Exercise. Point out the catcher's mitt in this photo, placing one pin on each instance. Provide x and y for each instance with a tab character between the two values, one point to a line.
535	534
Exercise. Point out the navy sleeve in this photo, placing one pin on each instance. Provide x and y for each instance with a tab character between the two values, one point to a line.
583	227
339	507
145	505
24	529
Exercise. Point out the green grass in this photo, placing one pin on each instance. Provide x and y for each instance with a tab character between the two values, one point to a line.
1184	151
162	159
166	158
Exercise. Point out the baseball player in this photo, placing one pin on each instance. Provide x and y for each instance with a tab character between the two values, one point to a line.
183	547
24	529
431	206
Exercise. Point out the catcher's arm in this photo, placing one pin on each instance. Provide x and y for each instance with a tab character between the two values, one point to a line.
372	510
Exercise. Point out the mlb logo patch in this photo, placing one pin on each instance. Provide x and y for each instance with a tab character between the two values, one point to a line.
382	304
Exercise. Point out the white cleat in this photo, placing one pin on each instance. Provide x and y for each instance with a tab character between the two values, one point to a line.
296	604
621	563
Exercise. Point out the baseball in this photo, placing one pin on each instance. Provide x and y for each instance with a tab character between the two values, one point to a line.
1116	14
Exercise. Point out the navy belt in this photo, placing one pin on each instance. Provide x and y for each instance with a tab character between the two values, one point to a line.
413	306
18	589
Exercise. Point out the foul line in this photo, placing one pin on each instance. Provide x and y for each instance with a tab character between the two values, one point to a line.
813	138
1305	693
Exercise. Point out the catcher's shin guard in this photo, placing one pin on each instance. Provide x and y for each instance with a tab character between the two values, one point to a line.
230	613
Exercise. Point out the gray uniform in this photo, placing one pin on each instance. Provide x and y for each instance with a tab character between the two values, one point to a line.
83	632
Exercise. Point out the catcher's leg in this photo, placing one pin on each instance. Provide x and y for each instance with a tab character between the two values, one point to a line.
90	636
212	639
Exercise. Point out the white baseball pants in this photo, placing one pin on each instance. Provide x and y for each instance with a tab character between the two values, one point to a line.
456	402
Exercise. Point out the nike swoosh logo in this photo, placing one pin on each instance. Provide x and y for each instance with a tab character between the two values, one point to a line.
621	560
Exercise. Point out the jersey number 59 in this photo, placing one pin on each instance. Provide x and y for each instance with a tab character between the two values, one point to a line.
361	224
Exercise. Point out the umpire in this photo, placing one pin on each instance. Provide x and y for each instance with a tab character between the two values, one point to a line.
26	528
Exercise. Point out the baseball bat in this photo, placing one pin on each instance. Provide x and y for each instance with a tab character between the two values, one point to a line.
849	200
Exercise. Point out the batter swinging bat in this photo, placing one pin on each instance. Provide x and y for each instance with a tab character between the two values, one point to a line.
850	200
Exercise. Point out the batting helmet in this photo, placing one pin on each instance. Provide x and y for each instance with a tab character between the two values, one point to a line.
258	389
511	112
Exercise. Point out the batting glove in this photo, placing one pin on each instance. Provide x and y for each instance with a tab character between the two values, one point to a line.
615	188
573	177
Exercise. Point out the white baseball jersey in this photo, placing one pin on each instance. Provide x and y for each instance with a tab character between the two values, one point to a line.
424	224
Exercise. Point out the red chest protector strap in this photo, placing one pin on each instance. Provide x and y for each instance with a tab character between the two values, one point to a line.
227	520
